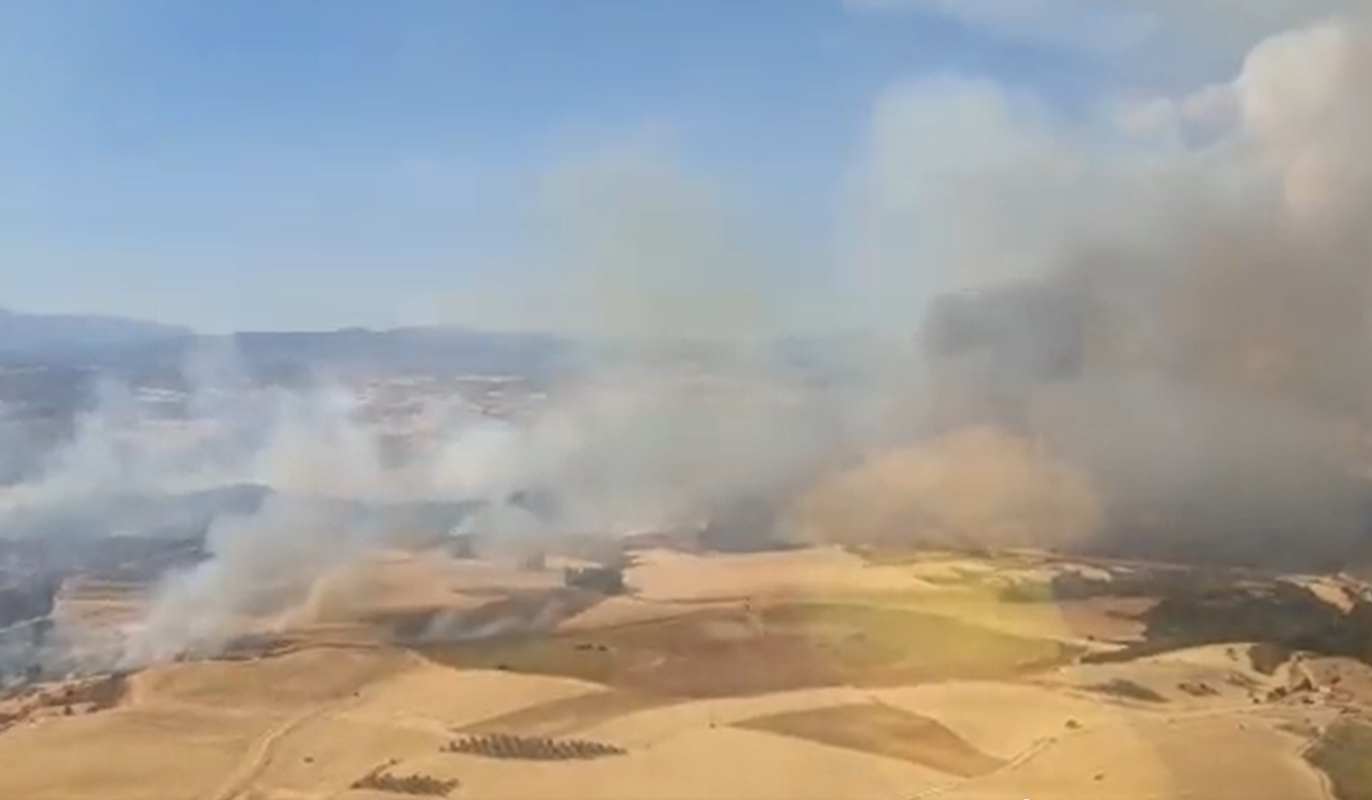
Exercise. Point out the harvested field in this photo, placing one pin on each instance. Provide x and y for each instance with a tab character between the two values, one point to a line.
566	715
626	610
1127	689
887	690
821	571
76	696
977	712
168	754
520	611
275	683
1344	753
1150	756
882	730
788	646
455	699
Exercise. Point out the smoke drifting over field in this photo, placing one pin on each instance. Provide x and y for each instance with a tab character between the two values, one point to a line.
1148	335
616	449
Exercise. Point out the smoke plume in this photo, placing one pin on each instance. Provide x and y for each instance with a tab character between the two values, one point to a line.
976	487
1180	315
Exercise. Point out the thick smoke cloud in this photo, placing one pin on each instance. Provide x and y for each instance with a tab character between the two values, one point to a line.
972	488
1180	313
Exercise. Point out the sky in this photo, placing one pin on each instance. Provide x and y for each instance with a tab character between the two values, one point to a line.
557	165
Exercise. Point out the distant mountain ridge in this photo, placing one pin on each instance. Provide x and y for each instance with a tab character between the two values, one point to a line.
138	349
436	349
40	335
131	346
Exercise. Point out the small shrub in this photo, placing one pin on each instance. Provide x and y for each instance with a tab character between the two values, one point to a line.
531	748
416	784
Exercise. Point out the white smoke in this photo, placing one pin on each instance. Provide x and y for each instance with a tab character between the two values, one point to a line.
257	568
616	449
1210	250
1171	294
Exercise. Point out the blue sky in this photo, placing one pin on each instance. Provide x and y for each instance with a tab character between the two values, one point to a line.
248	165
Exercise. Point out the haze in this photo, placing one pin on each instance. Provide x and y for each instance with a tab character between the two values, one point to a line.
889	398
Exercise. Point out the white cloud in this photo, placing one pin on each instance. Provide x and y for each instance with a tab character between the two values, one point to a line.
1306	100
1225	27
1078	22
